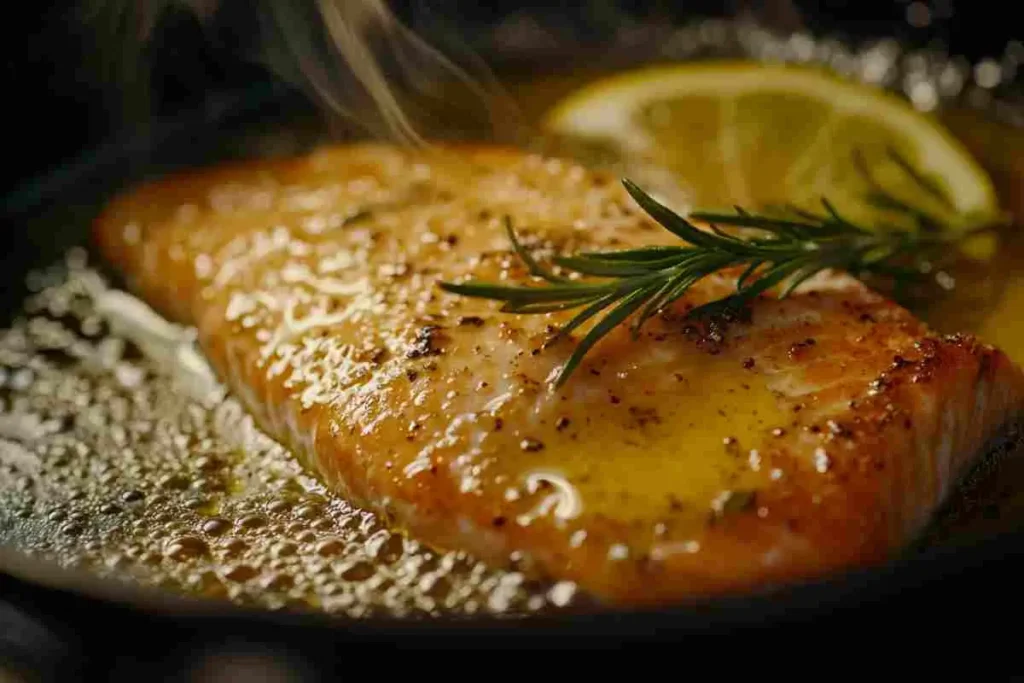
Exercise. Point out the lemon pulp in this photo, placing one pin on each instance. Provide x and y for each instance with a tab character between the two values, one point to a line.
756	135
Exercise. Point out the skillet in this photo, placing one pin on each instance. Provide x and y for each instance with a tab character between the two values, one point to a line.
63	625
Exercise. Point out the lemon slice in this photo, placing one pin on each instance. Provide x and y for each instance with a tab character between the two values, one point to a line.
758	135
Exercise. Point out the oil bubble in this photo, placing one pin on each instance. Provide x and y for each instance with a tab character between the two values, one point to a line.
186	548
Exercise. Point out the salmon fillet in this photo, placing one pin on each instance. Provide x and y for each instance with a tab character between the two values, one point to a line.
818	433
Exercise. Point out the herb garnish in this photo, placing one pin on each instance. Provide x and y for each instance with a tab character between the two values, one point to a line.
780	249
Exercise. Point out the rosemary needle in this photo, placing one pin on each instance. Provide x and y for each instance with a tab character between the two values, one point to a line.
776	251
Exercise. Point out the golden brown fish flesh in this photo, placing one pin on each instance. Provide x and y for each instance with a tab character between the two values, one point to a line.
819	434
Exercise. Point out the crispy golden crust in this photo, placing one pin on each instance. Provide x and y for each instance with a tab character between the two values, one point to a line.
818	434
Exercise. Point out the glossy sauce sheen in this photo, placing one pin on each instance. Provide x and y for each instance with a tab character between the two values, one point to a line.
821	433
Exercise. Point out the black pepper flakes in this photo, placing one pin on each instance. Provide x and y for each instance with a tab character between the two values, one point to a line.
748	363
471	320
838	429
644	416
798	349
561	423
426	343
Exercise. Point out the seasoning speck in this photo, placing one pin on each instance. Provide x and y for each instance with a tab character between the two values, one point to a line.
618	551
531	445
730	502
561	593
822	461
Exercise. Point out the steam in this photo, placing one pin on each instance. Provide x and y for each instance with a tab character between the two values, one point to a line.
367	66
352	56
353	25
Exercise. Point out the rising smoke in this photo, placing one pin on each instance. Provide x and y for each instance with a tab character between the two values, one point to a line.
354	57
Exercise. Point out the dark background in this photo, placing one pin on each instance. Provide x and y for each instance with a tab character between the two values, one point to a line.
60	98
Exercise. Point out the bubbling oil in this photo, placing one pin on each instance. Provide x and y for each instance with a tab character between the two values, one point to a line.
119	455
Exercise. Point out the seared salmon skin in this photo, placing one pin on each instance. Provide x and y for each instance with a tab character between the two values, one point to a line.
815	434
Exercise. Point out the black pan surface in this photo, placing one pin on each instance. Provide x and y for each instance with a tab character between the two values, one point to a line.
62	625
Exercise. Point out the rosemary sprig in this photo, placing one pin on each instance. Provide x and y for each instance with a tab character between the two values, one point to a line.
780	250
